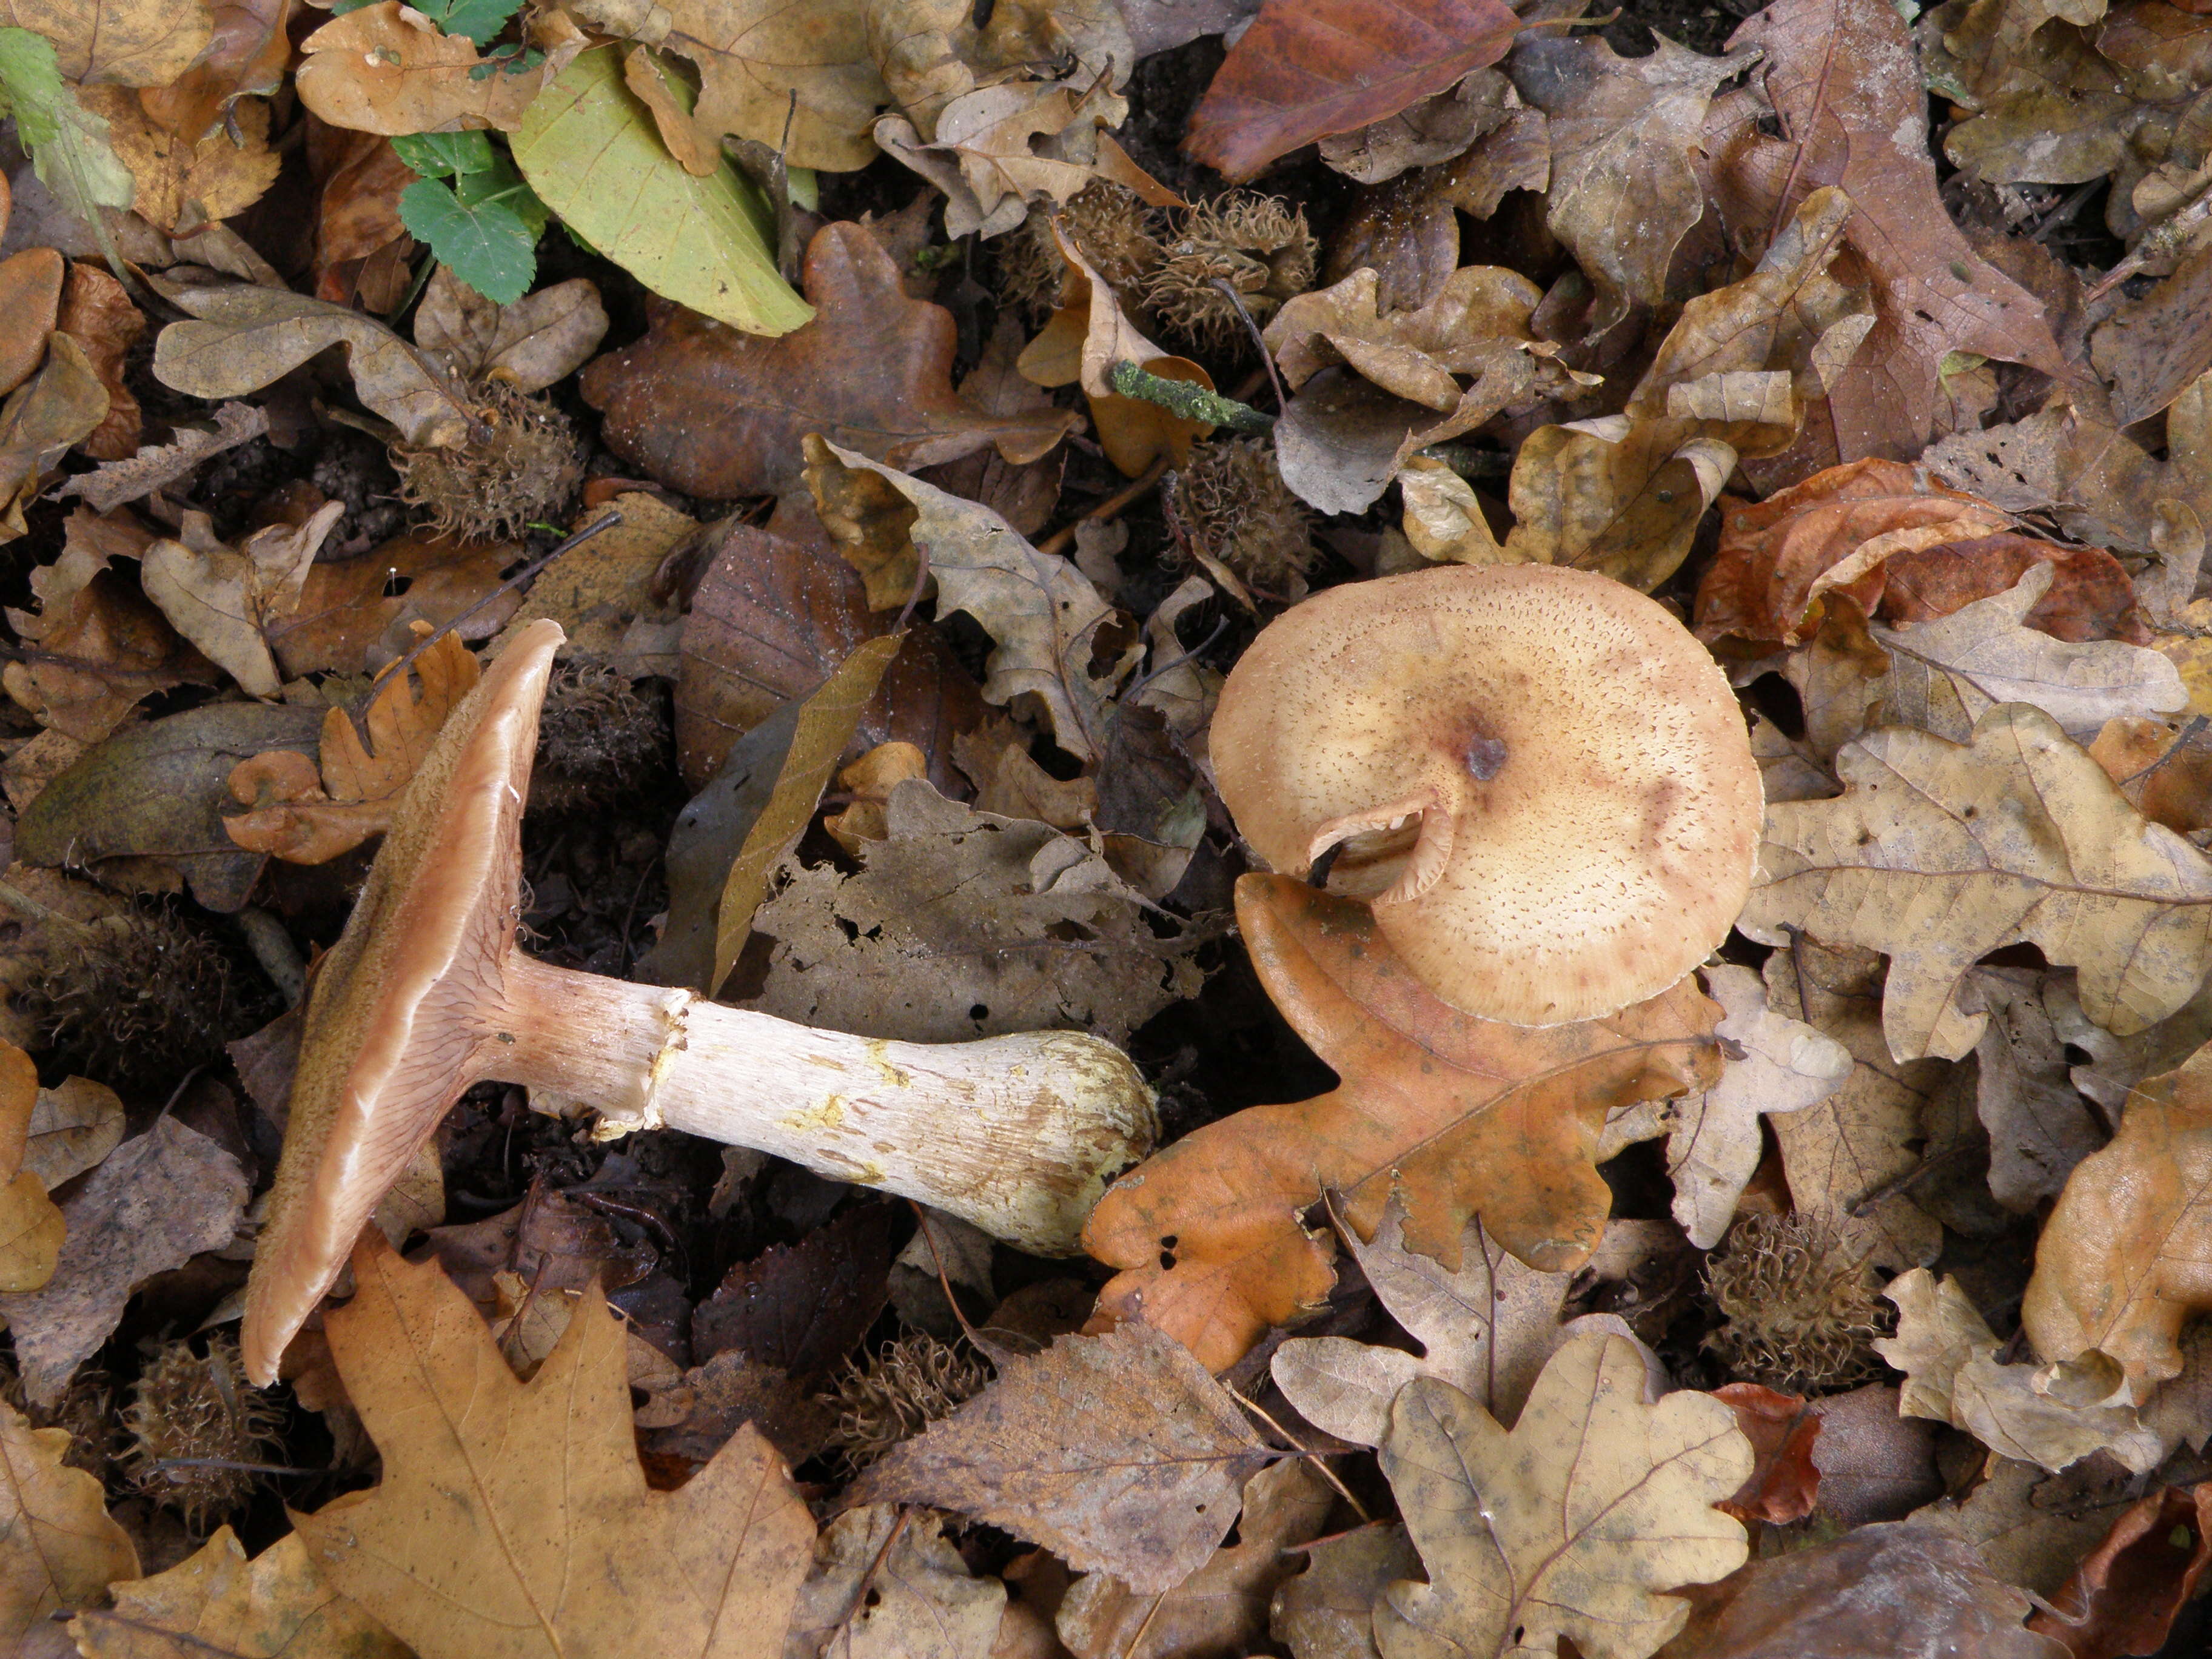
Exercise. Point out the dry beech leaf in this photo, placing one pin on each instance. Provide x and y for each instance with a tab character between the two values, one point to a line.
1223	1606
1623	189
58	1549
1900	544
1573	1524
1305	70
30	299
97	312
2052	1415
1941	853
1057	636
886	1584
717	413
2117	1266
1841	1152
31	1226
2123	1597
1486	1329
1893	1587
1784	1430
1461	1116
957	926
243	337
563	1548
306	816
1841	76
385	68
1118	1453
156	1201
216	1601
124	43
1874	1465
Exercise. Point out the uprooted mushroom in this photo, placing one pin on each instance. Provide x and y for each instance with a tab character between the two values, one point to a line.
1537	776
426	994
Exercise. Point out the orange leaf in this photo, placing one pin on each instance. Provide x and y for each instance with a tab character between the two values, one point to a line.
1307	69
1464	1117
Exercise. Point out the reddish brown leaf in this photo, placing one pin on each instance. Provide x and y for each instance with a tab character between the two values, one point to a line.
1461	1116
1844	81
1905	549
773	616
801	1307
1310	68
97	312
717	413
1781	1428
2123	1598
30	300
356	614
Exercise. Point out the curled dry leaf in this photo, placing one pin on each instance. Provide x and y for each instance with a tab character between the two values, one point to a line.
303	818
62	404
1461	1116
574	1552
2115	1268
1118	1453
717	413
997	149
58	1548
1305	70
245	336
385	67
158	1200
224	598
1895	1588
2123	1597
542	337
1903	546
97	312
1485	1328
1911	860
1784	1430
274	1606
2052	1415
1574	1524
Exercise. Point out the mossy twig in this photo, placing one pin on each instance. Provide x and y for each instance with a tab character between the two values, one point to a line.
1184	397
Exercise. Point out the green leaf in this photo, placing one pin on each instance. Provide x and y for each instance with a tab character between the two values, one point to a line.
590	149
487	245
503	184
445	155
68	142
480	19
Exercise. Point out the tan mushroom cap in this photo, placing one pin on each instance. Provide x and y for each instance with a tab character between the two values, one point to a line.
1536	774
395	1027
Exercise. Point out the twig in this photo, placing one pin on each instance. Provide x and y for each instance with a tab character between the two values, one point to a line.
1267	357
16	899
229	1463
1186	398
357	709
1112	507
1320	1462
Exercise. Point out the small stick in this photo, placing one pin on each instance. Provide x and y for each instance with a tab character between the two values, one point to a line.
1110	509
1186	398
1267	357
1320	1463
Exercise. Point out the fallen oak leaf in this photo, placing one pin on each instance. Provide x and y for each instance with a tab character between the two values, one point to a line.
111	483
223	599
274	1606
58	1547
1911	860
719	414
566	1551
127	43
885	1584
1309	68
1118	1453
1461	1115
31	1225
1572	1524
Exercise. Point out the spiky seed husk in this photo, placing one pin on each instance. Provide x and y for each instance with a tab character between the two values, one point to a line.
1800	1302
599	735
146	998
189	1413
1230	500
527	469
1259	244
1110	227
904	1387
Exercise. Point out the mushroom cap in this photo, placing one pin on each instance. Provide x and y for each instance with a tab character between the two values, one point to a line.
1537	776
404	1003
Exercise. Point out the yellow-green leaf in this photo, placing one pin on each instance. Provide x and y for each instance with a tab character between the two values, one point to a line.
589	148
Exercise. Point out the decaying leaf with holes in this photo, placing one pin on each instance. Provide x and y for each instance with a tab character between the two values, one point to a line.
304	814
1573	1525
1939	853
1461	1116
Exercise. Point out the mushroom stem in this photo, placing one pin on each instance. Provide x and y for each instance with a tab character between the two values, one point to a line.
1018	1134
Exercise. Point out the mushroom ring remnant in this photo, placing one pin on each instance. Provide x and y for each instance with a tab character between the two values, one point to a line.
425	994
1537	776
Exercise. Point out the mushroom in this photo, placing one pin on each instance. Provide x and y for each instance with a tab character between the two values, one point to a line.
1536	775
425	994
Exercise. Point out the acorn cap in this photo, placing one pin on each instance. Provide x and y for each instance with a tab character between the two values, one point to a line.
1537	776
394	1029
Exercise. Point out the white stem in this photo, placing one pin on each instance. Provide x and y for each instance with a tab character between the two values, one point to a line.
1018	1134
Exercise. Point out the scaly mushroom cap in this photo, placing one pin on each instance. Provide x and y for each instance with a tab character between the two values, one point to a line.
396	1024
1539	778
